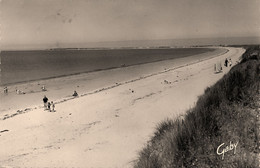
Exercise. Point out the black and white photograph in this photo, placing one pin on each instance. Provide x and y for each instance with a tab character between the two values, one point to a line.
130	83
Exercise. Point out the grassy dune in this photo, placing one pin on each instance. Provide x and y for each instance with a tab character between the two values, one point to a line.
226	113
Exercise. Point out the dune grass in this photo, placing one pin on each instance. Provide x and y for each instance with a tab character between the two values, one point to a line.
226	113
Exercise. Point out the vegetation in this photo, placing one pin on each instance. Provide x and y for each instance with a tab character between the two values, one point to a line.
226	113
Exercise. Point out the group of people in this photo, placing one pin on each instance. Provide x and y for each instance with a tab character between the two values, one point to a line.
48	105
17	91
228	62
218	67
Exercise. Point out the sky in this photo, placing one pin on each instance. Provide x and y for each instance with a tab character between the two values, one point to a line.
57	23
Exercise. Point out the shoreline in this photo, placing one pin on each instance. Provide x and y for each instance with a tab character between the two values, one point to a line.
36	84
103	69
84	72
108	128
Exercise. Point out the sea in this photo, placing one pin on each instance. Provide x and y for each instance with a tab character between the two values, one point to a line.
23	66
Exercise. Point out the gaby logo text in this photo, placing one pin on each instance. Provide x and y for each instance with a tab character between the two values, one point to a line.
222	149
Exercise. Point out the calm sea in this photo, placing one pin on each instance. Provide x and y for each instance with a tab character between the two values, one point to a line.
22	66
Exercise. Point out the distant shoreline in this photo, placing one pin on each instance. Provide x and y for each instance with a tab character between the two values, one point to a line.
99	69
152	43
112	48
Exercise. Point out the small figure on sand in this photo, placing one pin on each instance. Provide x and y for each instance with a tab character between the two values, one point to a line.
52	106
19	92
5	90
49	106
43	88
75	94
218	68
226	62
45	102
132	90
230	62
167	82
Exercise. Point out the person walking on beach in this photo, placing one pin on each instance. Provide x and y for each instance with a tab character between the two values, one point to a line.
49	106
5	90
52	106
226	62
45	101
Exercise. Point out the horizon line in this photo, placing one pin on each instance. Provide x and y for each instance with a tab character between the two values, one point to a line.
52	46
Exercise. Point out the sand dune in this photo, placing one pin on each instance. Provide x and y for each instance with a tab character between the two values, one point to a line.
110	121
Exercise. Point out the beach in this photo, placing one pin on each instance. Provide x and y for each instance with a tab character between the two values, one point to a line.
61	87
112	119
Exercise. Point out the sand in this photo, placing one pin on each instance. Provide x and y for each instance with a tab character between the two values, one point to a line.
111	120
60	88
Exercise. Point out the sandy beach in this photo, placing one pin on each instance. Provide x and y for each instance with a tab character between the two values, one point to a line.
111	120
63	87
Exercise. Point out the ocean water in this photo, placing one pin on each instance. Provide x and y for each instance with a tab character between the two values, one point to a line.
22	66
